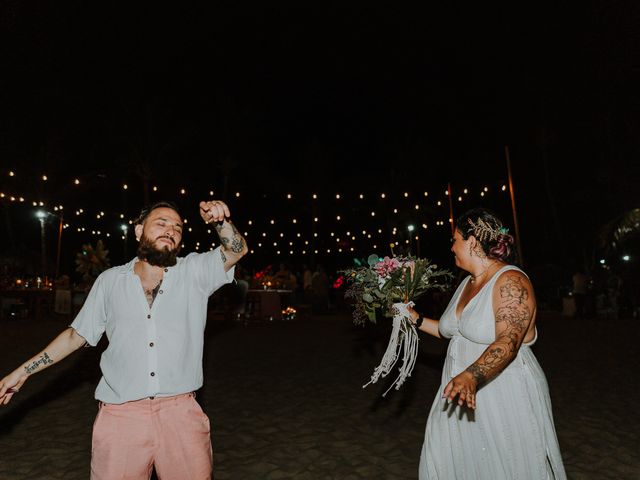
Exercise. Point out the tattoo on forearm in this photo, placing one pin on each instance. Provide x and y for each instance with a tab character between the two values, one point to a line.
513	316
477	372
237	244
44	359
230	240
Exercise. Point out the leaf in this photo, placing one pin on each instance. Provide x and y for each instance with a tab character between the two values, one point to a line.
367	297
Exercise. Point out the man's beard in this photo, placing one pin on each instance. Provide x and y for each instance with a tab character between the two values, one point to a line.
158	257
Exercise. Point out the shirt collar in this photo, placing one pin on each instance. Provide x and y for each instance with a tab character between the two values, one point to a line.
127	268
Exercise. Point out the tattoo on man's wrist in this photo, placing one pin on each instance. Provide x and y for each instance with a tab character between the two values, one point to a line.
237	244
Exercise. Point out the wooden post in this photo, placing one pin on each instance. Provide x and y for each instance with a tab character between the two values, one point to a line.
513	206
60	227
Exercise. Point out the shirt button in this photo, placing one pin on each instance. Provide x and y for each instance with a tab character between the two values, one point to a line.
153	374
149	316
166	269
160	292
151	344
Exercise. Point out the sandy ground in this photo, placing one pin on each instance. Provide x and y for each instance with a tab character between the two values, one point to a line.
286	400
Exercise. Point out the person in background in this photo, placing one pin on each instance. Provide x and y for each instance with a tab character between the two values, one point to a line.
491	418
307	286
239	306
614	290
153	311
282	277
320	289
580	290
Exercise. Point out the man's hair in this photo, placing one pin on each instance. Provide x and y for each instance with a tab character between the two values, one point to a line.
146	211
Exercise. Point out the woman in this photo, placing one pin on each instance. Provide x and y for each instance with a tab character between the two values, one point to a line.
492	417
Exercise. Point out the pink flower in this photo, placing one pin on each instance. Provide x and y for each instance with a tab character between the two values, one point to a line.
386	266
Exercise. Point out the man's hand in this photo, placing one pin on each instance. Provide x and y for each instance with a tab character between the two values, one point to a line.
214	211
67	342
11	384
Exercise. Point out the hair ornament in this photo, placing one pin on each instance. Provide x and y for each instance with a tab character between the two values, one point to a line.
483	231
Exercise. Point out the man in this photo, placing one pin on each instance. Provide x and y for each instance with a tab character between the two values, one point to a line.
153	311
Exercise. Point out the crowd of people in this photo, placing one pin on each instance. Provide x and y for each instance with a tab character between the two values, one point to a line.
602	293
304	287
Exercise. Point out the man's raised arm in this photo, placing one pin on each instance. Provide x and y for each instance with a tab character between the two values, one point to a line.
234	246
64	344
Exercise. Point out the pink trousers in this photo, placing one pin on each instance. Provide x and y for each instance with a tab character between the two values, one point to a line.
172	433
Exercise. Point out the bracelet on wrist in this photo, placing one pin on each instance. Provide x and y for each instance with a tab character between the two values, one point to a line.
419	321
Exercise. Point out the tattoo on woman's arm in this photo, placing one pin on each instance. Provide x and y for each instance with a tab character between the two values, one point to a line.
44	359
514	315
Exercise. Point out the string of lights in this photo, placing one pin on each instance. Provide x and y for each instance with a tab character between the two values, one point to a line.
282	224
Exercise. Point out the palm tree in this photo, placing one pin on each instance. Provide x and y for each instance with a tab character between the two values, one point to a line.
91	262
619	231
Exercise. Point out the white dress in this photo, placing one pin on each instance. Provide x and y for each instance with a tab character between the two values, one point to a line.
511	434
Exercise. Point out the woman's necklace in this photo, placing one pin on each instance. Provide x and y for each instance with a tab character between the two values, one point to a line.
475	277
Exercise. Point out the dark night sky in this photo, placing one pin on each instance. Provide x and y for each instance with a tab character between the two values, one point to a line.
330	97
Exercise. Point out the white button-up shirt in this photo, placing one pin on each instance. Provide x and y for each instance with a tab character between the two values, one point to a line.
153	351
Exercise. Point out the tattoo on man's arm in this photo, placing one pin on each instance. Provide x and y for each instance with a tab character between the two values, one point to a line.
44	359
235	243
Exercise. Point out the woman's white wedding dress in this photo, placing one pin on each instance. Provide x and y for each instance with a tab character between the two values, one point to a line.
511	434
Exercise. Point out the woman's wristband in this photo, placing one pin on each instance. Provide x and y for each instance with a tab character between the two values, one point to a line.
419	321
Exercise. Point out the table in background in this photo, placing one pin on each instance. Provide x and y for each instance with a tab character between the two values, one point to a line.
266	304
32	302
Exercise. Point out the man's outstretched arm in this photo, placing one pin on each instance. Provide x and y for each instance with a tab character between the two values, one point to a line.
64	344
233	244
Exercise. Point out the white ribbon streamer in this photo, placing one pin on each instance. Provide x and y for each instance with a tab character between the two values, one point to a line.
404	337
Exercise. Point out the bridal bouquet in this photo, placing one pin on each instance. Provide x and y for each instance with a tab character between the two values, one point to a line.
390	285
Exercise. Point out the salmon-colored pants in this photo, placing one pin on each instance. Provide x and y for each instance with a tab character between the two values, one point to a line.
172	433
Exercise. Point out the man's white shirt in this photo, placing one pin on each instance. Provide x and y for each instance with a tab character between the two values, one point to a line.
153	351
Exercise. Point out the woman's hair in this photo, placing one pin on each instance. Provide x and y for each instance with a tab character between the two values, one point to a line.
489	231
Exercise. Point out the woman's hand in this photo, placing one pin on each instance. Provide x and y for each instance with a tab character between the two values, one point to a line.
464	386
413	315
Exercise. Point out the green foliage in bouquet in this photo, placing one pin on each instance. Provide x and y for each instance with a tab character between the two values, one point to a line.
385	281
